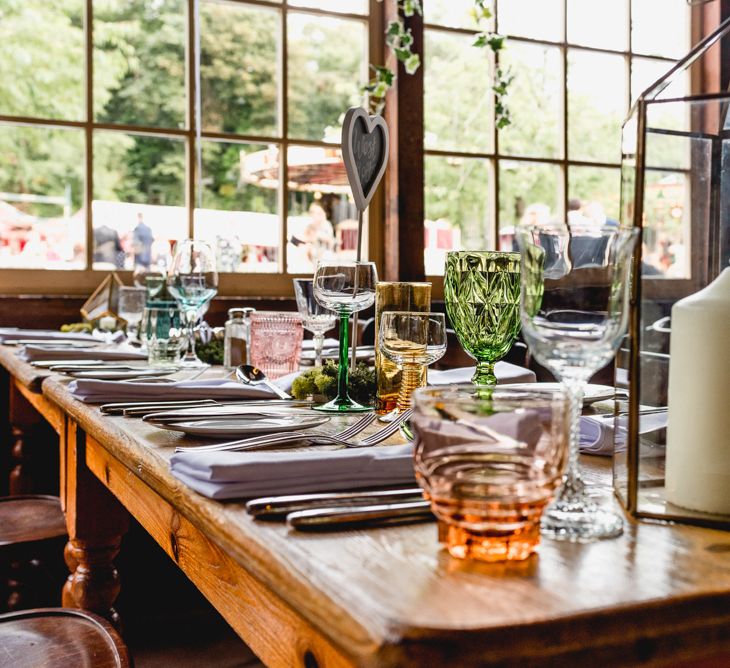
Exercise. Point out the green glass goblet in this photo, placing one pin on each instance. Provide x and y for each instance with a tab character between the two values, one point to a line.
482	294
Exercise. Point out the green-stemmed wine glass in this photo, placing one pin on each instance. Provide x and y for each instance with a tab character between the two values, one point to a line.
482	294
344	287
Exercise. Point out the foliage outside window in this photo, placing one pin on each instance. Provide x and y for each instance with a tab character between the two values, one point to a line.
274	81
577	65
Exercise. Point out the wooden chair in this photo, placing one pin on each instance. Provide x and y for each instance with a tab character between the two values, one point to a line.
32	538
54	637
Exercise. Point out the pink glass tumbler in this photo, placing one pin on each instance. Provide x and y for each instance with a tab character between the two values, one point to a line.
276	342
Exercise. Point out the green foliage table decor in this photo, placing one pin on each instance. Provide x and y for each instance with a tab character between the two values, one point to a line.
482	294
321	382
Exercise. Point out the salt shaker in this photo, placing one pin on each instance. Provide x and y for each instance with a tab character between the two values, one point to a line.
247	331
235	344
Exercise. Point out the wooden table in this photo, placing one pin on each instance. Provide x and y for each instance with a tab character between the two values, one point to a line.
659	595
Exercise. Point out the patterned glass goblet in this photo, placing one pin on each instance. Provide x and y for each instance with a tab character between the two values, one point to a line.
482	294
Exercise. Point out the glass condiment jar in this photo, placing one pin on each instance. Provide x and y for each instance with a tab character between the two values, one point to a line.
235	348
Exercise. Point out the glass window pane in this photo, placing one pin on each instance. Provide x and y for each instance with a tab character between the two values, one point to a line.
535	100
646	71
327	67
667	225
597	105
459	208
529	192
42	59
42	219
344	6
139	199
660	27
599	23
239	85
139	62
458	99
452	13
240	213
322	220
594	193
539	19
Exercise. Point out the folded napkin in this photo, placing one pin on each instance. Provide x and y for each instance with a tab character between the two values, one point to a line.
14	334
103	391
230	475
597	433
109	353
308	344
505	372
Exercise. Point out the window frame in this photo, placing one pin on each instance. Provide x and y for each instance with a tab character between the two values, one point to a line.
495	157
83	281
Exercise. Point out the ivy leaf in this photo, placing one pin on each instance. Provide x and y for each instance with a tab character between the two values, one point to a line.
412	63
406	38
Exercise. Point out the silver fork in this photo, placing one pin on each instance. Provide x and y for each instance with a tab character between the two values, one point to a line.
263	441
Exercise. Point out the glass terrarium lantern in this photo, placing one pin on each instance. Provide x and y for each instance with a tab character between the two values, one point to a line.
676	189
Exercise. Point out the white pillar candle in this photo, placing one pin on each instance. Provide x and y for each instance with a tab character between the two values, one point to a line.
698	432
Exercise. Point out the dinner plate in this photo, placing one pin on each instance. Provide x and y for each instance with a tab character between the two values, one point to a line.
592	394
111	374
242	427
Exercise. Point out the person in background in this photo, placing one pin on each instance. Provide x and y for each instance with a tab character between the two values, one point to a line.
108	247
142	240
319	234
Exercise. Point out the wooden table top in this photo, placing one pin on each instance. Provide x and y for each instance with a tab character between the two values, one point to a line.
395	591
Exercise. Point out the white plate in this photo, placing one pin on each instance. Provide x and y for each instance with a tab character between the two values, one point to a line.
102	374
593	393
234	427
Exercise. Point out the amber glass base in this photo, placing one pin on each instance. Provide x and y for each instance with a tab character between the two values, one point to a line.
488	546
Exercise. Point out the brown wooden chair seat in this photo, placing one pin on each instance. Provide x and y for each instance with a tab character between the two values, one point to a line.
32	538
28	519
56	637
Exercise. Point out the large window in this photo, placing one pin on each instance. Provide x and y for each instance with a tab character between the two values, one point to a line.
128	124
577	64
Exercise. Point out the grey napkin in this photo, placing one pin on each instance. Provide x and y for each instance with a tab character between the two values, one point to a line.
14	334
229	475
597	433
102	391
110	353
505	372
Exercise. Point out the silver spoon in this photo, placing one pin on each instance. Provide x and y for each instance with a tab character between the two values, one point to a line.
251	375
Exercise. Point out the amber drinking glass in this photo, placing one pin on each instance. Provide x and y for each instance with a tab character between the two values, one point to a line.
395	296
490	459
482	294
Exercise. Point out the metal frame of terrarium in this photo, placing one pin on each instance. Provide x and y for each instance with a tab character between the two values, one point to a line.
633	492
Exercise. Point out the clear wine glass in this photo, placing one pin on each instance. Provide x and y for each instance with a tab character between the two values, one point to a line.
344	287
193	282
315	317
411	340
574	309
131	307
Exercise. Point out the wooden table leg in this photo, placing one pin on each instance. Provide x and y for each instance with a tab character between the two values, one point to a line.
96	523
33	465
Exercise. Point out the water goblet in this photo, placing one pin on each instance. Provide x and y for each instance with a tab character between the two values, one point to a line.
411	340
575	311
344	287
315	318
131	306
193	282
482	294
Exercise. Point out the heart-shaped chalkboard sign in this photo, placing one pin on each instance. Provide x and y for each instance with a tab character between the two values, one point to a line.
364	152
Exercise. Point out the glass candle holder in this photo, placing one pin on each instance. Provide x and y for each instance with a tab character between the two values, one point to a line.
276	342
490	459
395	296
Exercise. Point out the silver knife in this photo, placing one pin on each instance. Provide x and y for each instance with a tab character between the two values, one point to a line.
334	519
278	507
118	408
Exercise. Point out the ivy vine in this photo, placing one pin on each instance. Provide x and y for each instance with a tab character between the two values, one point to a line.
400	41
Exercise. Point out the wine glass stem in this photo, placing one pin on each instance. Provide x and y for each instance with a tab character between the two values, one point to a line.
573	489
190	322
484	374
410	381
318	343
342	371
